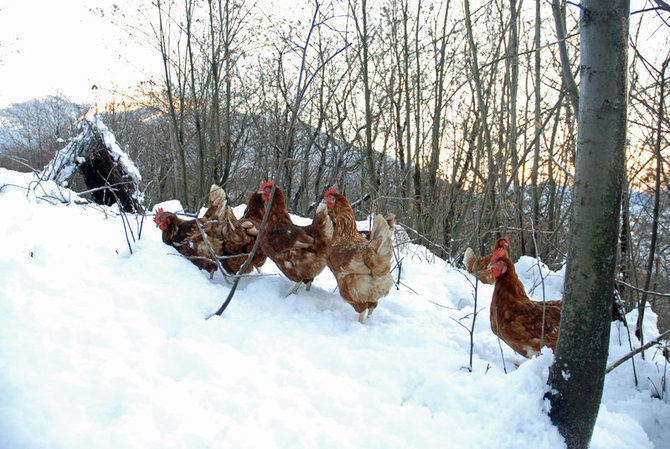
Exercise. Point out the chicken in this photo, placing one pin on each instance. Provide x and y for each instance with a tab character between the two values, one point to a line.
253	215
185	235
479	265
514	317
238	237
361	266
390	219
298	251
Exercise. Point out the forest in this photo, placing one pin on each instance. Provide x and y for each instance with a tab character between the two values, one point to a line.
459	117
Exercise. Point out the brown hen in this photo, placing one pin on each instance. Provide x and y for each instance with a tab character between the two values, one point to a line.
479	266
238	238
298	251
515	318
185	235
361	265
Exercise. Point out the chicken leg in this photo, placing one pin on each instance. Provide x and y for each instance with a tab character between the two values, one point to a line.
295	289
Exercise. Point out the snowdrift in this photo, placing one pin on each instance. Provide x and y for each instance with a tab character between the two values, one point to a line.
101	347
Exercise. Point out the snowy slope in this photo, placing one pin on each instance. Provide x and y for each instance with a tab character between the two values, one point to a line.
101	348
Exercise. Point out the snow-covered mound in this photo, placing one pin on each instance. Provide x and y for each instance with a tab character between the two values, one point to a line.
101	347
66	161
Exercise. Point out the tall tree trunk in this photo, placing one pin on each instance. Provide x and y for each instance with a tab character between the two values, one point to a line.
440	45
535	208
417	124
484	139
566	70
177	125
512	68
406	80
577	375
195	100
215	122
657	195
370	171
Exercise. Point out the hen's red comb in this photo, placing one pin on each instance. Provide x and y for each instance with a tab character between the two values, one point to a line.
498	254
267	184
330	191
158	212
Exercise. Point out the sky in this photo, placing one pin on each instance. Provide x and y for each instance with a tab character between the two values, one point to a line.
49	47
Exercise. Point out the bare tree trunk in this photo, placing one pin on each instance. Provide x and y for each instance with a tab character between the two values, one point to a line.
512	74
418	188
176	126
657	195
569	80
195	100
484	139
440	45
576	378
215	142
370	170
535	207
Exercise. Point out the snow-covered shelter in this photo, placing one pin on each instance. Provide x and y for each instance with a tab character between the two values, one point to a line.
108	172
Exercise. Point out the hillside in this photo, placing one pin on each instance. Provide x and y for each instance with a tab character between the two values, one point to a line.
101	347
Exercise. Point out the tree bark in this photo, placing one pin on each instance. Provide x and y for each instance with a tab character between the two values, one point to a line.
370	170
535	207
657	196
577	375
566	70
177	125
440	49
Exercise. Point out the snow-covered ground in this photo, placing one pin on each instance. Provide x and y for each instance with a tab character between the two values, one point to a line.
104	348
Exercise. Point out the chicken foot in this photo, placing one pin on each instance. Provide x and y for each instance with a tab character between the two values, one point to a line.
295	289
362	316
308	285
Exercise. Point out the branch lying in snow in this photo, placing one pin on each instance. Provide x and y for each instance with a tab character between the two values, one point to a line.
638	350
638	289
212	253
247	262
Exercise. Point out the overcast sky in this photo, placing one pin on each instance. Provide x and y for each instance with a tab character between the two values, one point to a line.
50	46
62	46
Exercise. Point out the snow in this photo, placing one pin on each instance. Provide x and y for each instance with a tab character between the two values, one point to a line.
104	348
115	150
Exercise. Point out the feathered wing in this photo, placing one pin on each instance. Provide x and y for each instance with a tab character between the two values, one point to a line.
470	260
519	324
321	228
253	214
287	237
238	238
390	220
315	236
479	265
380	247
216	206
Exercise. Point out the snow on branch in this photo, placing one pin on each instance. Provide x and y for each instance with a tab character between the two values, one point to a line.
107	170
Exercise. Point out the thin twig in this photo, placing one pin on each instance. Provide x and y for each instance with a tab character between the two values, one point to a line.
247	262
638	289
474	319
637	351
211	251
